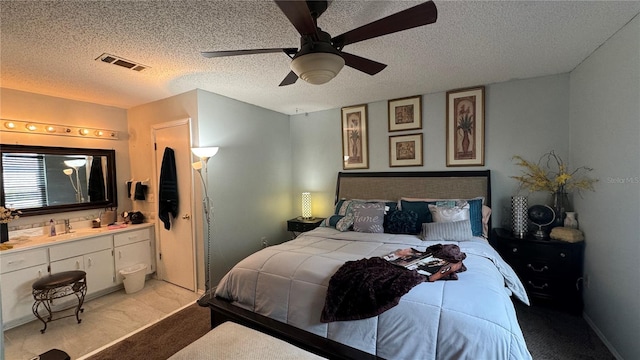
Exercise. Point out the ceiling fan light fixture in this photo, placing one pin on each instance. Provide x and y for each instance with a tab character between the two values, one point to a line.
317	68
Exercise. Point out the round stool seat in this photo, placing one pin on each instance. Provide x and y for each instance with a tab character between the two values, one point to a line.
64	278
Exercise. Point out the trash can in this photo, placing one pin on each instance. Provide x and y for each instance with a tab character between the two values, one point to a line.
133	277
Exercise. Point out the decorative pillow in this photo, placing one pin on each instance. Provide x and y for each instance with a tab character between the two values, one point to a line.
452	231
476	212
345	223
331	221
486	215
421	208
401	222
368	217
448	213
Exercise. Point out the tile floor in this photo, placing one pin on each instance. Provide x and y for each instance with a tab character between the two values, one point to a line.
104	320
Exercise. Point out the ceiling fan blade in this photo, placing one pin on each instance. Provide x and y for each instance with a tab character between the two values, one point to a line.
423	14
365	65
299	15
212	54
291	78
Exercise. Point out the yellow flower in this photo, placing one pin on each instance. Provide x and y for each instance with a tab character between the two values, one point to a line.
553	176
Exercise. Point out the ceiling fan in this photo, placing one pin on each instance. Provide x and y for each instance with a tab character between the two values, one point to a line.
320	57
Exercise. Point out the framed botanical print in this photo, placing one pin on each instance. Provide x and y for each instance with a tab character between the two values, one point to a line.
355	142
465	127
405	114
405	150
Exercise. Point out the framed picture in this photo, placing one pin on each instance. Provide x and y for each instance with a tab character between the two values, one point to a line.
465	127
405	114
405	150
355	142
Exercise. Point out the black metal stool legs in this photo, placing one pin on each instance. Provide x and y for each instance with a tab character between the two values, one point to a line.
57	286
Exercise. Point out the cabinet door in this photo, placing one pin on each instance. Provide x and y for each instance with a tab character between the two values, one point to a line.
97	265
17	296
74	263
133	254
100	270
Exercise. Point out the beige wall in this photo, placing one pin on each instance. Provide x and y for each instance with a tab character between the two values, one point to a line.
141	120
19	105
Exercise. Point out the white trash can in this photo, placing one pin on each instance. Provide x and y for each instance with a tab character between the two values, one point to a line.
133	277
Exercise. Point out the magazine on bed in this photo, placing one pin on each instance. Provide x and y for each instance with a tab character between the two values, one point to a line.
424	262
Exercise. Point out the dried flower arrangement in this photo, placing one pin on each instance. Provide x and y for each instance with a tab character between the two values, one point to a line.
551	174
8	214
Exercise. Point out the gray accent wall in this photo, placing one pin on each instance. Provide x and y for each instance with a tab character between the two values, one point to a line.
523	117
249	178
605	134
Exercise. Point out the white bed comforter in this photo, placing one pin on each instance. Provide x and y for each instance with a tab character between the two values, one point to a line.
471	318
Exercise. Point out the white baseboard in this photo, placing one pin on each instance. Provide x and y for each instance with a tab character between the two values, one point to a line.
601	336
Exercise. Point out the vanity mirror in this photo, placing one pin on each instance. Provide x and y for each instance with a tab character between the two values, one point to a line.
42	180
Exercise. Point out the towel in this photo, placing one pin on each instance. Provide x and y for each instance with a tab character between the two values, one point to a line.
140	190
96	180
168	189
131	187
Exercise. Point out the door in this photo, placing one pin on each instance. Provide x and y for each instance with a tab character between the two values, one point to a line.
176	255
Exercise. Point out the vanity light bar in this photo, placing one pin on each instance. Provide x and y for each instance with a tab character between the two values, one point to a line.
30	127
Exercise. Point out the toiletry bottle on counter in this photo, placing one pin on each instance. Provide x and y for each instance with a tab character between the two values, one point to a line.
52	228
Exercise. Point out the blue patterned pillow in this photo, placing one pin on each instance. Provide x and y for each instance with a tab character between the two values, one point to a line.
421	208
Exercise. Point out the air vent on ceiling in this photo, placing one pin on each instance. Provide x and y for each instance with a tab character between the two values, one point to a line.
116	60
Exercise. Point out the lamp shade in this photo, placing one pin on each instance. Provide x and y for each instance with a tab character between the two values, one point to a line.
317	68
205	152
76	163
306	205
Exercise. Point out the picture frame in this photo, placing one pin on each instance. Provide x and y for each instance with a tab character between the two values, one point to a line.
465	127
355	140
405	150
405	113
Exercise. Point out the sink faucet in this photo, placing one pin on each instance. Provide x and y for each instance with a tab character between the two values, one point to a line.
67	226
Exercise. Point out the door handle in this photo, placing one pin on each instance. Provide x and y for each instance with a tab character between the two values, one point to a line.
186	216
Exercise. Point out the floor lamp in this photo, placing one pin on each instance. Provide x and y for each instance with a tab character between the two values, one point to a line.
75	164
205	153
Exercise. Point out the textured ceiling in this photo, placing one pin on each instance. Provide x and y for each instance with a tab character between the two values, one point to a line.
49	47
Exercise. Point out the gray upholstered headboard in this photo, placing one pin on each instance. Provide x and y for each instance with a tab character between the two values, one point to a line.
424	184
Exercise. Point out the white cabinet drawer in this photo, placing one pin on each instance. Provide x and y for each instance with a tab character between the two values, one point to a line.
80	247
131	237
22	260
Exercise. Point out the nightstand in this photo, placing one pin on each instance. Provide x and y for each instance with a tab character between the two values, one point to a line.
550	270
300	225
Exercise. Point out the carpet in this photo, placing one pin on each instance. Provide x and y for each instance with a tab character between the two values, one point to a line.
163	339
556	335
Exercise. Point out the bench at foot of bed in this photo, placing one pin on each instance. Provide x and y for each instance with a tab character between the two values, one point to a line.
232	341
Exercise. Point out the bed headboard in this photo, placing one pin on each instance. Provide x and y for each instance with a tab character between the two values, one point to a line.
423	184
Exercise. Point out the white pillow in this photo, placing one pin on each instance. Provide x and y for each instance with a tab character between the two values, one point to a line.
449	214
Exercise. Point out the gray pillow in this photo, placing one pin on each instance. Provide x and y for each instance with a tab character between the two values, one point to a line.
368	217
453	231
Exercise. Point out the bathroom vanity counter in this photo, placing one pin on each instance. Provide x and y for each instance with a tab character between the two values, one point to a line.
100	252
32	242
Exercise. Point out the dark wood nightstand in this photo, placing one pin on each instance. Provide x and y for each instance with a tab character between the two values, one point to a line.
300	225
550	270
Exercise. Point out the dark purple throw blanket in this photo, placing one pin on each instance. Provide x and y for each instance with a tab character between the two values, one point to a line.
368	287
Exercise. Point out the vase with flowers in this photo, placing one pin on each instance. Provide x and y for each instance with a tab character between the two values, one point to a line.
7	215
551	174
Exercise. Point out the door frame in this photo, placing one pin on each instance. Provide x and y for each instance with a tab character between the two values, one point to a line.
157	223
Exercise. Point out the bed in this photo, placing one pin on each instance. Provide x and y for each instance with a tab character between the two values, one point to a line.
281	290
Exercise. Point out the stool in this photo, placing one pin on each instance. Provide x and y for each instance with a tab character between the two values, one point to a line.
56	286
